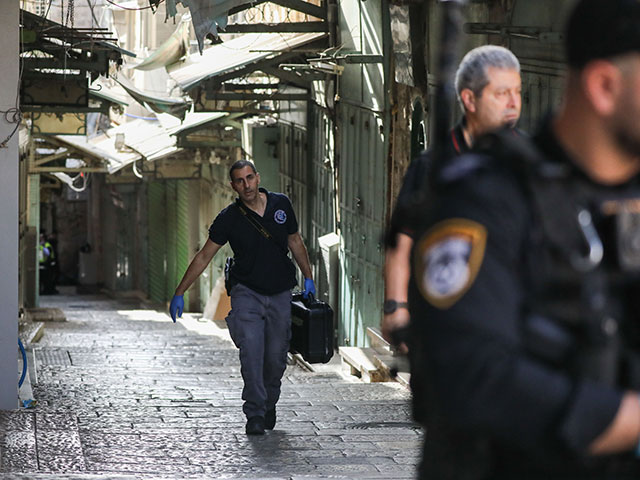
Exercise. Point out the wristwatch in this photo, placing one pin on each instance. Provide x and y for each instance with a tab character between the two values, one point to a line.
390	306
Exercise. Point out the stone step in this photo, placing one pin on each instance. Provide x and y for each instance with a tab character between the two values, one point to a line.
45	315
29	331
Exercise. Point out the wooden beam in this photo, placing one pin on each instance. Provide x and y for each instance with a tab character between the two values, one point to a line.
304	7
231	96
287	27
68	170
302	79
233	87
51	158
206	142
298	5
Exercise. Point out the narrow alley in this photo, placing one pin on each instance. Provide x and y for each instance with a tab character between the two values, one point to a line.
122	393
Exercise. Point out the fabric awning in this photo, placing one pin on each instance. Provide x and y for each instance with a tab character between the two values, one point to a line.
207	15
172	49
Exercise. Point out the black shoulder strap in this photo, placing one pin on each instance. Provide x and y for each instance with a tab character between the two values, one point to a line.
263	231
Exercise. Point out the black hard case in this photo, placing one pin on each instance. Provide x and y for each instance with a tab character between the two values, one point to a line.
311	329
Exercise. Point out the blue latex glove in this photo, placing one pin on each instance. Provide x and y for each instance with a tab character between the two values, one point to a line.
309	288
176	306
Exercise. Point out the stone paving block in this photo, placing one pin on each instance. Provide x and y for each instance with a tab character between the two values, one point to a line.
58	442
135	458
59	476
60	463
18	441
351	469
18	452
172	471
16	420
56	421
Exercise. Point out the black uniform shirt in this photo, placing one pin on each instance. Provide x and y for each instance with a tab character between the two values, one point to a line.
467	298
419	167
261	263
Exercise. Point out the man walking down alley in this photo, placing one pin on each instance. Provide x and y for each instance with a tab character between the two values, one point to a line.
261	228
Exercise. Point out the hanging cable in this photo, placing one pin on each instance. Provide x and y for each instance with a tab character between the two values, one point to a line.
134	9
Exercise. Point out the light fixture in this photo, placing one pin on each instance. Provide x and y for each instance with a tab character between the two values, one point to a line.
119	142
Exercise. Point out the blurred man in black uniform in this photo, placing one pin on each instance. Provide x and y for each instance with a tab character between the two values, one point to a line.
488	88
525	286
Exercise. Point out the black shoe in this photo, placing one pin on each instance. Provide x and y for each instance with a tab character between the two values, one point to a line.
270	419
255	426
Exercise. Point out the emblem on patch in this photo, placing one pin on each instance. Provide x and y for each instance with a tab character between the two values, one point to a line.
280	216
447	260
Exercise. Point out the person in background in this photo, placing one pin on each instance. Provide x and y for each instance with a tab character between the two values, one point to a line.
488	87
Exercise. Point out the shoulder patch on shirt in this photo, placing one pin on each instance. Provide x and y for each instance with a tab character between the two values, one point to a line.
280	216
447	260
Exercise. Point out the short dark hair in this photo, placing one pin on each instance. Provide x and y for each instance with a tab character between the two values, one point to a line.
600	29
241	164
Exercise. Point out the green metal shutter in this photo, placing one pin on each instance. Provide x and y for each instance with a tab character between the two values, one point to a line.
362	204
171	234
182	234
125	243
157	241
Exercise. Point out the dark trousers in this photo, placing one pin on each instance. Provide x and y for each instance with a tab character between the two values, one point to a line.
260	326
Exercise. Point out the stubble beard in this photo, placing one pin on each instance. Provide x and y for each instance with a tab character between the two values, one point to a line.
629	142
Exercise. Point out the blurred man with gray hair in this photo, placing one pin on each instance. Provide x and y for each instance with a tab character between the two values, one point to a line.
488	88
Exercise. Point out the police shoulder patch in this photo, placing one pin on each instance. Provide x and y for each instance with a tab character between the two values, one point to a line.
447	259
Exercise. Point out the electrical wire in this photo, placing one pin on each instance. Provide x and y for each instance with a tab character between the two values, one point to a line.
14	115
134	9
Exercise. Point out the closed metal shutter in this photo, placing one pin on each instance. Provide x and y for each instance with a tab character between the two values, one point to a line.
157	241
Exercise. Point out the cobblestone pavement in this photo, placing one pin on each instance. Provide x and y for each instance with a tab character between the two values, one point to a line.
124	393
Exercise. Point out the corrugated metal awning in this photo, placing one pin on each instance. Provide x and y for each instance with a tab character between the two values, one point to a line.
174	106
101	89
142	140
191	121
235	54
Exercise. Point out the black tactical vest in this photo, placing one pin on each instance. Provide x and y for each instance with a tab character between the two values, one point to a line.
582	308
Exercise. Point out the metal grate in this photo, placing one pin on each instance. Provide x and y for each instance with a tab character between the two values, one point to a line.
53	356
371	425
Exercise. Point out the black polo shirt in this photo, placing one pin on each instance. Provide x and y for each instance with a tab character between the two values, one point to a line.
420	166
261	264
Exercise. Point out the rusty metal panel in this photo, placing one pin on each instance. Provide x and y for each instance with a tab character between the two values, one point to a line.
363	184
